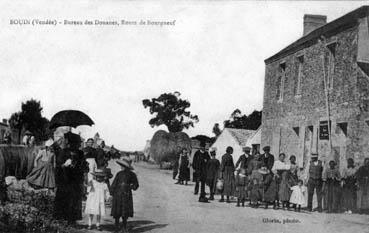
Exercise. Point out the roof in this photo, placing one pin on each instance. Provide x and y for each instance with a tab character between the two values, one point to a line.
241	135
342	23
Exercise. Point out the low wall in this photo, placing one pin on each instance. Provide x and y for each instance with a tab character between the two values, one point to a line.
16	160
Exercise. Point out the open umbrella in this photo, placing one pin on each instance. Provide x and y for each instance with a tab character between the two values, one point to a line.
72	118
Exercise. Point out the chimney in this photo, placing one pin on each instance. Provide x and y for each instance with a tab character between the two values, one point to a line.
312	22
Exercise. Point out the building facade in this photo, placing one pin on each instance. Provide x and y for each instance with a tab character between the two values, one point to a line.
316	92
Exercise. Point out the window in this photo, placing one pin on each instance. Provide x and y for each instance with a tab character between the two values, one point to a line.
343	127
299	66
281	81
331	57
324	130
297	130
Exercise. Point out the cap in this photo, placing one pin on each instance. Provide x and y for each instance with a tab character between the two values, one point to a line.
266	148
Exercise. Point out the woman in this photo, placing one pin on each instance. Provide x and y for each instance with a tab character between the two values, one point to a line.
121	189
349	186
71	168
184	167
227	174
362	176
331	186
212	172
294	170
43	173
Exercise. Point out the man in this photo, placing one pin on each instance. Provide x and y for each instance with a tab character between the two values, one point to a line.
315	182
212	170
199	162
267	159
245	158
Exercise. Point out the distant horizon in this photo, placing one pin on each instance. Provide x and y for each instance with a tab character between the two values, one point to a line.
213	55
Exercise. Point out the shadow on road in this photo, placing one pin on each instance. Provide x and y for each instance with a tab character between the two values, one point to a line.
138	226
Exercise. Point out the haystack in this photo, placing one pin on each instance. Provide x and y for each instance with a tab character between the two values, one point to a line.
165	146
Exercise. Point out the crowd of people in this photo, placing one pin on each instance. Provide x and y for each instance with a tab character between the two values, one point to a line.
75	174
261	180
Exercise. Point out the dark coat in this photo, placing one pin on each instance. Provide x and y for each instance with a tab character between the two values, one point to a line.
184	169
243	160
267	161
100	158
69	184
270	188
89	152
199	162
212	171
121	190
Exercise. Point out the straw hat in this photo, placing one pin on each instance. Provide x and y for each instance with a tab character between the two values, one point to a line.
125	162
99	172
263	171
213	149
49	142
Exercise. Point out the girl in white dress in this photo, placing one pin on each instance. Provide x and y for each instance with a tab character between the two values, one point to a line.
297	196
98	192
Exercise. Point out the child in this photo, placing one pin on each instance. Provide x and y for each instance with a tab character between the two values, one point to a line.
121	190
98	193
184	167
241	186
297	196
256	186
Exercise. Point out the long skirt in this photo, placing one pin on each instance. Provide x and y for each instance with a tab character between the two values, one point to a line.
349	194
271	191
284	192
68	202
43	176
229	181
184	174
256	192
363	198
332	195
122	205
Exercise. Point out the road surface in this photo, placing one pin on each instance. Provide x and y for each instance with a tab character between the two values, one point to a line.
161	206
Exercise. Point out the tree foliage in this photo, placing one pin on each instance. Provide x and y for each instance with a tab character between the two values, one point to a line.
242	121
170	110
30	118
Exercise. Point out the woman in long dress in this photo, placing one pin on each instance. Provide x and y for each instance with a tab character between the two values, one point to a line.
184	167
227	174
43	173
71	167
362	176
349	186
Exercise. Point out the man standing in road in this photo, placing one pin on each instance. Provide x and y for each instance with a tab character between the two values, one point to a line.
315	181
244	158
199	162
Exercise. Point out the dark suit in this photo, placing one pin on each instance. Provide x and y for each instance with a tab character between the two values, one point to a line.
267	161
199	162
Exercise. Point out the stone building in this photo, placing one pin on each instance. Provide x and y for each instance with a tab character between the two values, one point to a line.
316	93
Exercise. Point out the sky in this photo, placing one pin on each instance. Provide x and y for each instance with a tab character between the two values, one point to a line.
213	55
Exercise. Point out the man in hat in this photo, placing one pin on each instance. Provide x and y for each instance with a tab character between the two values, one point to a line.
315	181
212	170
244	158
267	159
199	162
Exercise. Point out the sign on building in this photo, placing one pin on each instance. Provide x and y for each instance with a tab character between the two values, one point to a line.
323	130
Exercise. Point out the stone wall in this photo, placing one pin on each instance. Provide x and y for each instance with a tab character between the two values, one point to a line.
292	125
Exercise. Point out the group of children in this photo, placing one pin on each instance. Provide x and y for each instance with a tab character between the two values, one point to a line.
261	186
119	193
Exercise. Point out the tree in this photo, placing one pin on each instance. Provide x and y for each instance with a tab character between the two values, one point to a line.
16	123
170	110
30	118
239	121
216	130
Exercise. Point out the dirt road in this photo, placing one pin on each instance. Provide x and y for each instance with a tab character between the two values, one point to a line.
162	206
